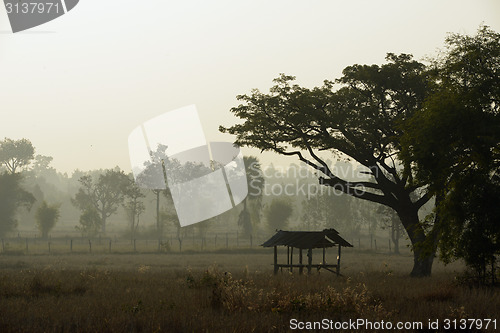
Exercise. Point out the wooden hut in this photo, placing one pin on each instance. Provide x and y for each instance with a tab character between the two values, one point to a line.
307	240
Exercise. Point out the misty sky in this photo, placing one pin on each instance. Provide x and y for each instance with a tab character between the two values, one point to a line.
77	86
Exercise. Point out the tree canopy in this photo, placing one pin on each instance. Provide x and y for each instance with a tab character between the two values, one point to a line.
16	154
453	144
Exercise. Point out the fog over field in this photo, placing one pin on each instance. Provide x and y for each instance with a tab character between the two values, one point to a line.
249	166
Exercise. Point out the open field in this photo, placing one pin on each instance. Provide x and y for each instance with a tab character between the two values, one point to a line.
223	292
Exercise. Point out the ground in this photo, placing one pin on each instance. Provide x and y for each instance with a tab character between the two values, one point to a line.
225	291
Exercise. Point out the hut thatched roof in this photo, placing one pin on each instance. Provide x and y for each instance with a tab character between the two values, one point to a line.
307	239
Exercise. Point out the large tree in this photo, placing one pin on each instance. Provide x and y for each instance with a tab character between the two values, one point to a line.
453	144
362	121
16	154
102	195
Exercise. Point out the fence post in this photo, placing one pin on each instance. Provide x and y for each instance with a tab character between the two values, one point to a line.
3	246
90	246
134	246
390	250
49	246
251	240
215	242
237	240
110	245
375	241
227	241
26	245
71	245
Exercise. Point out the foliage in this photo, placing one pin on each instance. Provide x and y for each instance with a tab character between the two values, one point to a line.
454	146
102	196
90	222
46	217
12	197
16	154
278	213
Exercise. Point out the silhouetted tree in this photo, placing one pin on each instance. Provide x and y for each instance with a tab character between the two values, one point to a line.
360	120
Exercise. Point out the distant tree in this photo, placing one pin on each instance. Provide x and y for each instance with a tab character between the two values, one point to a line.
41	164
255	182
16	154
390	221
90	222
12	197
134	206
46	217
154	178
278	213
103	195
313	213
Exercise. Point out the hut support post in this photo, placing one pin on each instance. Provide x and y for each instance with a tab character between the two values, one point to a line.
338	260
309	260
291	260
324	256
275	260
288	255
301	269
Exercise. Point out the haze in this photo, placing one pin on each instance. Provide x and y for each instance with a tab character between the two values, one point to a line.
78	85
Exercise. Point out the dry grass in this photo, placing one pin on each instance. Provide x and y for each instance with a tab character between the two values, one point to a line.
221	293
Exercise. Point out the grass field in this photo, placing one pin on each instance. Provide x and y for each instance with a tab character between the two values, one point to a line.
225	291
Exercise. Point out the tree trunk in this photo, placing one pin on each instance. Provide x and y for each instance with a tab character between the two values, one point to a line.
421	266
132	230
158	227
423	250
103	219
395	237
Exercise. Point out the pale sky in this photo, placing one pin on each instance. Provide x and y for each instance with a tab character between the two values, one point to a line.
77	86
